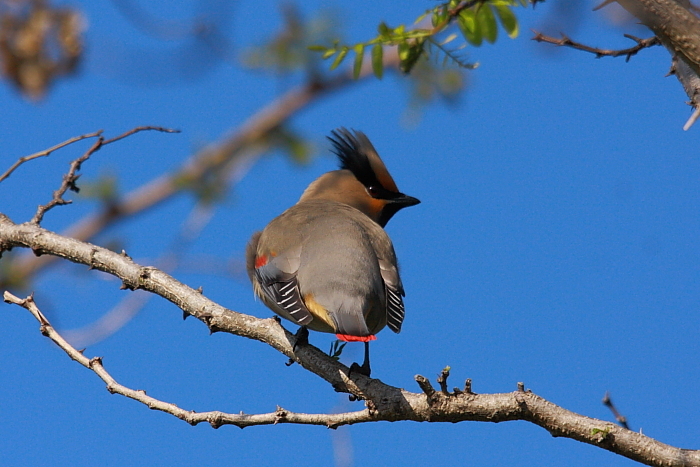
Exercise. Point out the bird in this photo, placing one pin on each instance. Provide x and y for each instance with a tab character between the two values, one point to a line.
326	263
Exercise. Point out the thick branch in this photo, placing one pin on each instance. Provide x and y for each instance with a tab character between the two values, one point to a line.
674	24
678	29
675	27
384	402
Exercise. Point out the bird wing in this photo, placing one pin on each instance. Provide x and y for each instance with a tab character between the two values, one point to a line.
278	280
395	310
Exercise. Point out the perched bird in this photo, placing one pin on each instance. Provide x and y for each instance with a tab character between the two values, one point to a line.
326	263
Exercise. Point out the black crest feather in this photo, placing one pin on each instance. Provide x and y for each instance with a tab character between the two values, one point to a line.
351	150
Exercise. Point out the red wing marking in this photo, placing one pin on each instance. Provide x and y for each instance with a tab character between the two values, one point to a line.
260	261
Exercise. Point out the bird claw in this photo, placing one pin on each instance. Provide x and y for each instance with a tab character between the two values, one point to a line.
363	369
301	337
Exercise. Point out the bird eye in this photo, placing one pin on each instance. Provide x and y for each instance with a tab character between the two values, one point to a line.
373	190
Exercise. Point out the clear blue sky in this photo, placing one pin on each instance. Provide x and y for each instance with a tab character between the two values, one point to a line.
556	244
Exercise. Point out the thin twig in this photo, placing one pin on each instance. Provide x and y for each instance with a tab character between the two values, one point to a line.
214	418
442	379
46	152
621	419
139	129
70	178
68	183
629	52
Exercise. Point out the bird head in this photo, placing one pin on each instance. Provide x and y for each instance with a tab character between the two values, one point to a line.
362	182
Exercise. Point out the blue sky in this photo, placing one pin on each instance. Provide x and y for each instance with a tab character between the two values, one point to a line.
556	244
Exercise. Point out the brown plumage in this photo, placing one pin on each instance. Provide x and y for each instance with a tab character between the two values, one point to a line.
326	263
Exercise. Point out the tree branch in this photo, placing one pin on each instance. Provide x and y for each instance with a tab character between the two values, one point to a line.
628	52
130	306
678	29
383	402
214	418
673	23
46	152
70	178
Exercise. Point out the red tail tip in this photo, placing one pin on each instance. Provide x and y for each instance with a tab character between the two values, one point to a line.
349	338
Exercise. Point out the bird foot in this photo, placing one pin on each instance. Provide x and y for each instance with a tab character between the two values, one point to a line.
301	337
363	369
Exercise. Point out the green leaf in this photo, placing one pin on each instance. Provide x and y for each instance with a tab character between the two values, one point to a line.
359	56
339	59
378	60
328	53
421	17
435	18
404	50
439	15
336	349
508	20
470	27
409	54
449	39
384	30
487	23
317	48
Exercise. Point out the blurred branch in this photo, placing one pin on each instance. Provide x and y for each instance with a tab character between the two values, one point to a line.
621	419
383	402
226	155
628	52
131	305
207	25
159	27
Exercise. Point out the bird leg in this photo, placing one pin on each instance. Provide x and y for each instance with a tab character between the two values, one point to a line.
301	337
364	369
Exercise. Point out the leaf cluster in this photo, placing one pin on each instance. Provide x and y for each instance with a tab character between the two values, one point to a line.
474	19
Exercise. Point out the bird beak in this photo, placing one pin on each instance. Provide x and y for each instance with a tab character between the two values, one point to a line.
404	201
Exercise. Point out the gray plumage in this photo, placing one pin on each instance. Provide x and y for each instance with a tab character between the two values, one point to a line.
326	262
